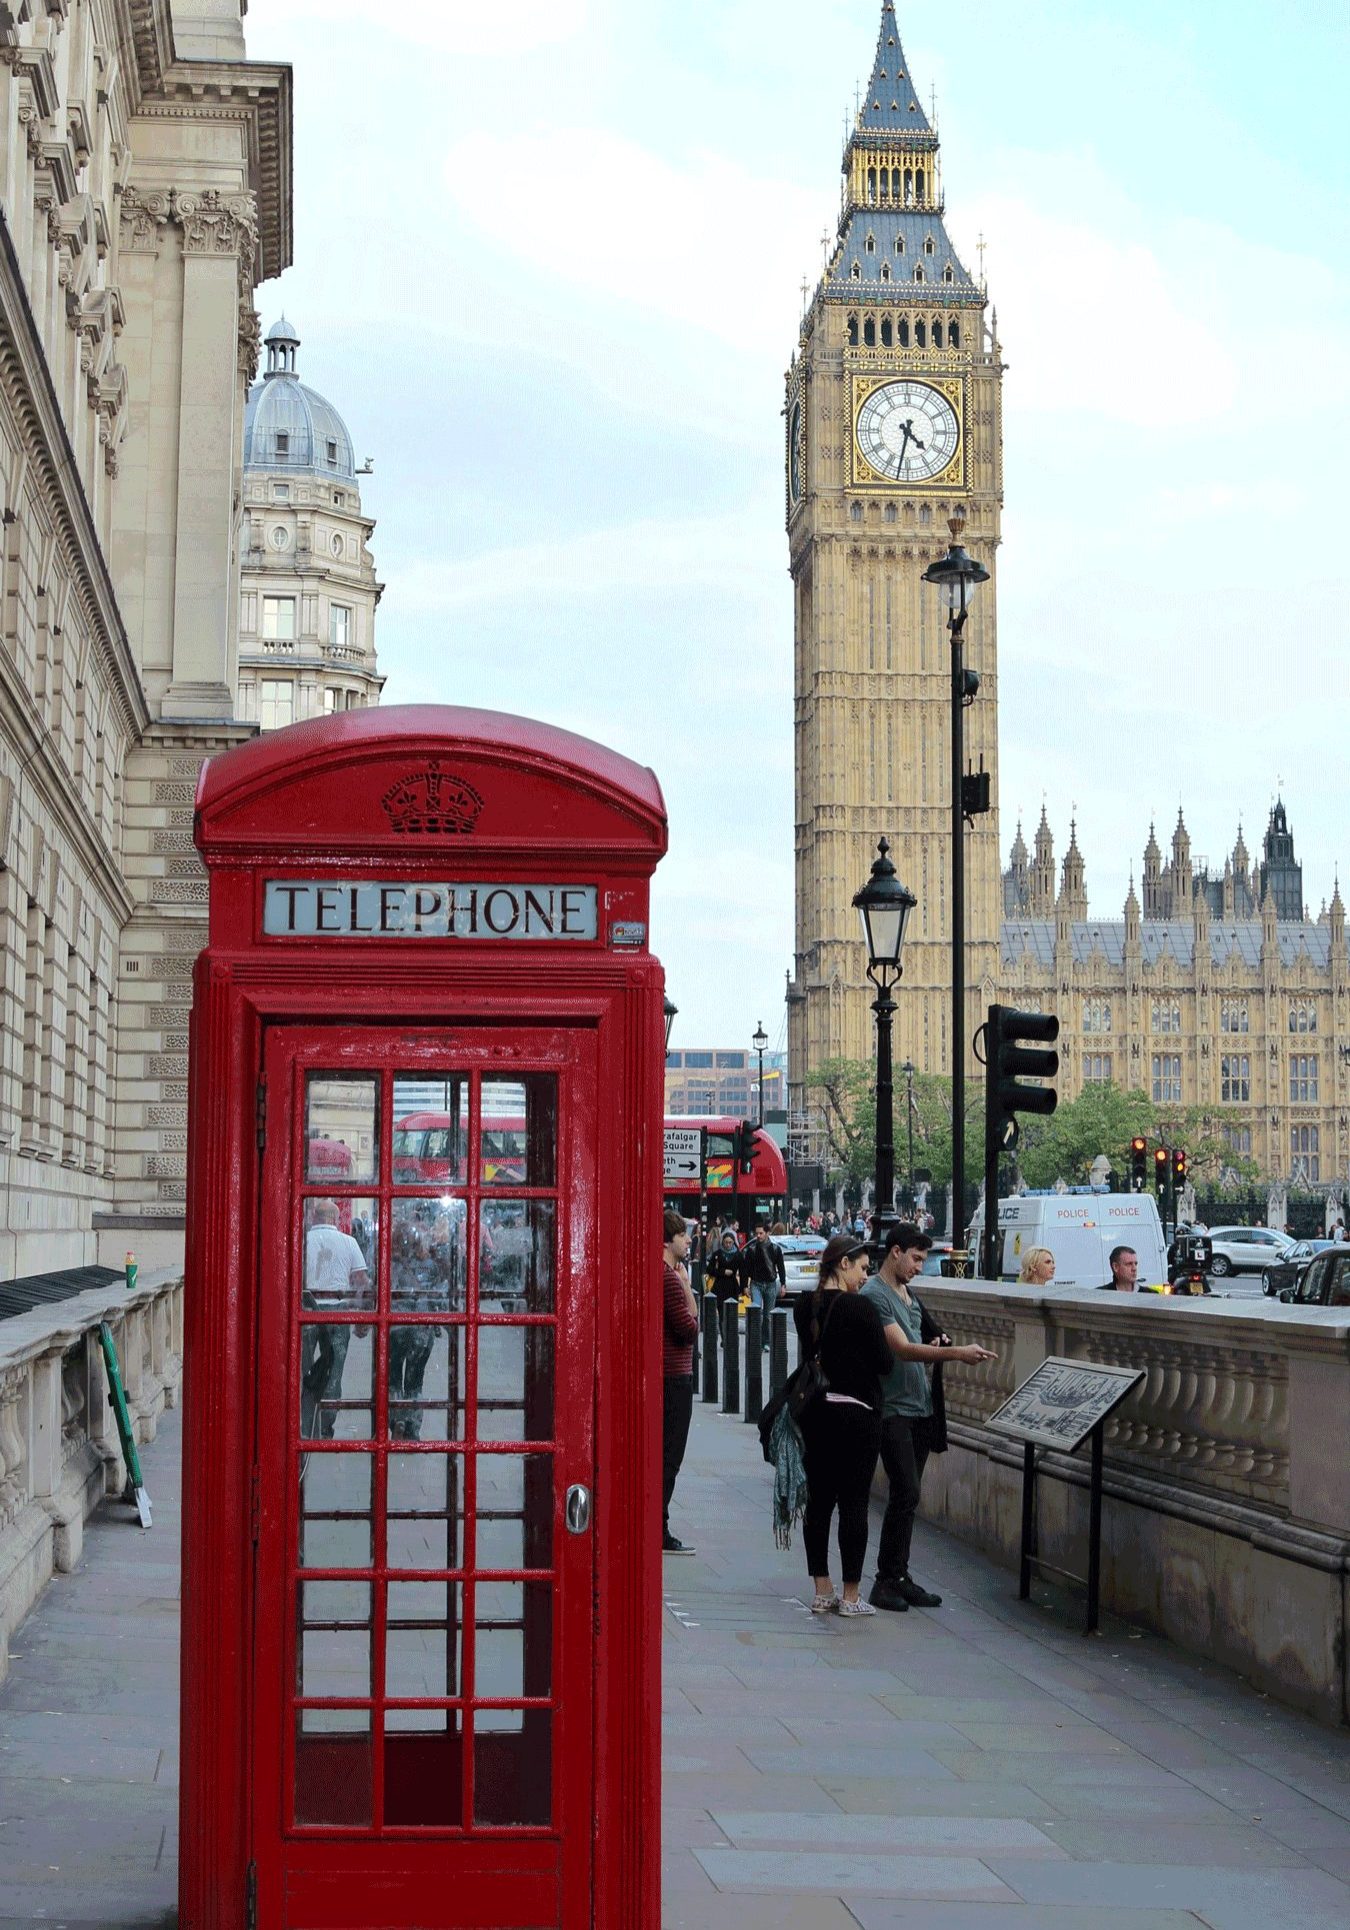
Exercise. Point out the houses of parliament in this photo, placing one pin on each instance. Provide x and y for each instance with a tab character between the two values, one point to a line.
1212	990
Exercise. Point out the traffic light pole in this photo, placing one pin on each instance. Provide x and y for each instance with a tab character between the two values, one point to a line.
990	1268
958	1228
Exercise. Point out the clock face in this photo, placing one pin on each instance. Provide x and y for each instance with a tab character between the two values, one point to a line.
795	452
907	431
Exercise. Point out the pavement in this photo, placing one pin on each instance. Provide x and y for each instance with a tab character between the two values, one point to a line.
979	1766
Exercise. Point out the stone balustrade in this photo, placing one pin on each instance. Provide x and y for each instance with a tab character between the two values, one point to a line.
59	1449
1226	1523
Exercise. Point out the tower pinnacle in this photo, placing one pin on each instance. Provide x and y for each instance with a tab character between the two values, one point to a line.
891	105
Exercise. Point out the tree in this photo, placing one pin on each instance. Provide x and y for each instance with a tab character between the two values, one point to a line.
1102	1119
848	1107
848	1110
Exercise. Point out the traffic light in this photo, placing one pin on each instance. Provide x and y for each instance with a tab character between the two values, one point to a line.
1178	1168
745	1145
1007	1063
1138	1164
1162	1163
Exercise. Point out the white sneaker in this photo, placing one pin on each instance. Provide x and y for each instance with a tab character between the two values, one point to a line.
824	1604
859	1607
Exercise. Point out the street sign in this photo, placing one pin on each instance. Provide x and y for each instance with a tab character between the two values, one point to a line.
682	1152
1059	1405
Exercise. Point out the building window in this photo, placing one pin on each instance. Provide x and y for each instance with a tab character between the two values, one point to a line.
674	1060
1236	1080
339	499
855	271
1097	1015
929	245
871	244
947	274
702	1060
855	512
278	617
1233	1016
1097	1068
885	276
1238	1139
276	702
1303	1079
283	443
1303	1016
918	273
330	701
1166	1015
899	244
731	1061
1167	1078
331	450
1305	1163
281	492
339	625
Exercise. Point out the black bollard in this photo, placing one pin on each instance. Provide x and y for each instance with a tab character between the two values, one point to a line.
731	1358
778	1343
709	1349
754	1364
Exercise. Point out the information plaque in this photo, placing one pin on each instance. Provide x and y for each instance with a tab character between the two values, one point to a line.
1059	1405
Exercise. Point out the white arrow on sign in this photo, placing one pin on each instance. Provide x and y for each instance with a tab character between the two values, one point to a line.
681	1167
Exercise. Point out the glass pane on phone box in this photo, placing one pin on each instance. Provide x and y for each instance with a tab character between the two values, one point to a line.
333	1661
425	1510
512	1767
427	1265
341	1255
342	1136
513	1639
335	1484
427	1370
333	1768
515	1265
515	1383
514	1520
336	1381
422	1643
519	1130
431	1131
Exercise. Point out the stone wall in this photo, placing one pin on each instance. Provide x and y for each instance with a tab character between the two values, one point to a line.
1226	1520
59	1449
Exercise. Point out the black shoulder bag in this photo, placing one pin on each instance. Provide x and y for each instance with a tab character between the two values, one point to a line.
799	1391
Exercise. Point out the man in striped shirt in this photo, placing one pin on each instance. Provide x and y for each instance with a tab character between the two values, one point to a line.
680	1332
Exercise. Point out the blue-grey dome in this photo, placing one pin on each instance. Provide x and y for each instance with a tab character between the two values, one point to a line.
288	426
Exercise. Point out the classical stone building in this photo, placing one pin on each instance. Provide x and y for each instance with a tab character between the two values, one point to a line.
893	418
145	189
1216	992
307	614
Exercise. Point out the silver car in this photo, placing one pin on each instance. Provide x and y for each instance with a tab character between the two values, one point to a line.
1246	1249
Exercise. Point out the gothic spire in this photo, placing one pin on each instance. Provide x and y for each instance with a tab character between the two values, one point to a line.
892	104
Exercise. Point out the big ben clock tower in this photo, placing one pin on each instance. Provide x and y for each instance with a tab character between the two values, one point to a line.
893	426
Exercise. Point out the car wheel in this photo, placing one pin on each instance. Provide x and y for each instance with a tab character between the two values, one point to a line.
1267	1284
1221	1266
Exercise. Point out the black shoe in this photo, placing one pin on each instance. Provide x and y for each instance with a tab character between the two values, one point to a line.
672	1546
886	1594
917	1597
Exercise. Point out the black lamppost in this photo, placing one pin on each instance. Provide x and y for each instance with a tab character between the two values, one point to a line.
760	1042
957	575
908	1069
885	905
672	1013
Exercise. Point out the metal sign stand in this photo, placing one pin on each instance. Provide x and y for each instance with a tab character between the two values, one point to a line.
1030	1559
135	1479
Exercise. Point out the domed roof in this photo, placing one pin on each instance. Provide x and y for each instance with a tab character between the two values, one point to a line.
288	427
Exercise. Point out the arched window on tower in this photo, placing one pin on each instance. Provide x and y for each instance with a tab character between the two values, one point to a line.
953	335
949	273
929	245
855	512
937	331
904	331
918	183
920	333
885	271
890	512
869	333
855	272
871	184
918	271
886	331
871	244
899	244
909	187
853	331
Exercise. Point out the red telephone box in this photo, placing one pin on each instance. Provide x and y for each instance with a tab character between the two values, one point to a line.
421	1547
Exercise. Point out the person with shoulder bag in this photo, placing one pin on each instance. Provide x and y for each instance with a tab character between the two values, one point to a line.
836	1402
913	1423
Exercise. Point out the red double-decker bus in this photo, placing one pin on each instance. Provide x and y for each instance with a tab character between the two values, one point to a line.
760	1194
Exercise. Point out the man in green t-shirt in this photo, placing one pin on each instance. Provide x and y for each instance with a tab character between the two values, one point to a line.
907	1403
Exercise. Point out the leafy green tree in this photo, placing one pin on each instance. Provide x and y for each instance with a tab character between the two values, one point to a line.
1102	1119
846	1091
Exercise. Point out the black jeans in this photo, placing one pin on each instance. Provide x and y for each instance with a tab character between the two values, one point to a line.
841	1458
903	1458
677	1413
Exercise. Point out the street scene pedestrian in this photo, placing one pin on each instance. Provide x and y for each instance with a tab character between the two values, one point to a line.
1038	1267
912	1425
765	1274
1124	1271
841	1427
681	1330
336	1276
724	1275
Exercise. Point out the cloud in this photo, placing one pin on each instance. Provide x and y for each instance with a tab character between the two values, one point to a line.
464	27
704	241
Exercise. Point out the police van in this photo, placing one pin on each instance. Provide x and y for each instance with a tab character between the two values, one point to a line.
1080	1228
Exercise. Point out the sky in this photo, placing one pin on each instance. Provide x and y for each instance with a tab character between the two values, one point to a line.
548	265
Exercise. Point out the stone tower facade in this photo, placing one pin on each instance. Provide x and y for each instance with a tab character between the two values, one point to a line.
307	579
893	417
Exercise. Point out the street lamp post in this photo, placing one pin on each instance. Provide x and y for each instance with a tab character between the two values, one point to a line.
957	575
885	905
672	1013
760	1042
908	1069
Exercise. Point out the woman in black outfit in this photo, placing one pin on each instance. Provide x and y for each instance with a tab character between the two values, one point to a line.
842	1428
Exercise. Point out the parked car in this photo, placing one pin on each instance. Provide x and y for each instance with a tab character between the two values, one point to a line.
1246	1249
940	1251
1288	1269
801	1262
1325	1281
